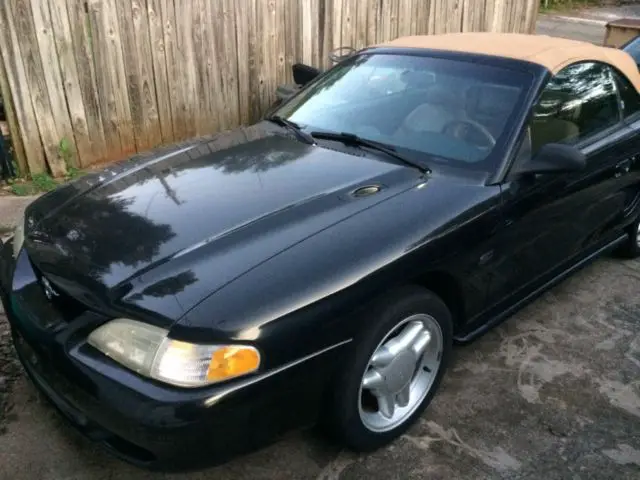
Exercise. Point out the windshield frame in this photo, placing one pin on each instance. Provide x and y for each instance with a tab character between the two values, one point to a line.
498	158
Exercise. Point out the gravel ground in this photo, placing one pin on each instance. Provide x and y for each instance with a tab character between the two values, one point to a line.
10	371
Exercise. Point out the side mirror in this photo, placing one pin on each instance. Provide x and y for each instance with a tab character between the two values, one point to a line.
555	158
303	74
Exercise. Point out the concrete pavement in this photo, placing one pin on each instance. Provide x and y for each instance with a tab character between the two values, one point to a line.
576	30
11	209
587	25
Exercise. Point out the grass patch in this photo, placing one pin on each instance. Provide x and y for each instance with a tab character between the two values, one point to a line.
43	182
40	183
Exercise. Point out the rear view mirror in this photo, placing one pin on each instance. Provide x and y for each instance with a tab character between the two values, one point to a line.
303	74
555	158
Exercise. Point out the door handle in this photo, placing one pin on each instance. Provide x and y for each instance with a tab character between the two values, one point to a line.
623	167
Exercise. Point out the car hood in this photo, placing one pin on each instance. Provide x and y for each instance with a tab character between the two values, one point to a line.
139	229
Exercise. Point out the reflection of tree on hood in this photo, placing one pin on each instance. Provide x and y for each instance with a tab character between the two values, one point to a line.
168	286
239	162
105	233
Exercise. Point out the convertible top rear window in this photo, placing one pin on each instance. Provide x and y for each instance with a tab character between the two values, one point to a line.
440	110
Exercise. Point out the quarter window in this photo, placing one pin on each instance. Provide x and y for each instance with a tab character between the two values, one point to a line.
579	101
628	95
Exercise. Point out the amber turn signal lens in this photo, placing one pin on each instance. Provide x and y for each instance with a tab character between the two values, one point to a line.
232	361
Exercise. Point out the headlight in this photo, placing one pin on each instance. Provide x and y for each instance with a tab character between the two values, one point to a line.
18	237
147	350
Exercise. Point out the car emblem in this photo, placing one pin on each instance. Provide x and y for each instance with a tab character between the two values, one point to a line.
48	289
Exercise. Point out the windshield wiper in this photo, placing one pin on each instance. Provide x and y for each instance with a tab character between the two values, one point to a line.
352	139
293	127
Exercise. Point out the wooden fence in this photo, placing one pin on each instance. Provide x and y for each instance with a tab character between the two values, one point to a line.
94	81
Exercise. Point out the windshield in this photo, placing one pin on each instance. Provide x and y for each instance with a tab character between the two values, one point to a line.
440	110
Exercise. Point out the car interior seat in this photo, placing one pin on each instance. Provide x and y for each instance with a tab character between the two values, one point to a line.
442	106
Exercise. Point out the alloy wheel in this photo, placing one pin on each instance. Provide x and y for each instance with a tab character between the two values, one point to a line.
400	373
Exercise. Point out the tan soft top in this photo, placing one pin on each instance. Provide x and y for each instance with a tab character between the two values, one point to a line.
551	52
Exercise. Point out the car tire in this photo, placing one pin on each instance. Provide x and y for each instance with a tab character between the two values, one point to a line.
631	246
393	333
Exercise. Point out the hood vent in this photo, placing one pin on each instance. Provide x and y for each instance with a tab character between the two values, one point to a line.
366	190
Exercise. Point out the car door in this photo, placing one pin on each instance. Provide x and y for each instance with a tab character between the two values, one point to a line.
551	220
630	104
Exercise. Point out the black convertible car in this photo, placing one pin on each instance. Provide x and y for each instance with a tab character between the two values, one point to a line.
195	301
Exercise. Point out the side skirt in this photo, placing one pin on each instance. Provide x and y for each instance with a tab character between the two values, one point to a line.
469	336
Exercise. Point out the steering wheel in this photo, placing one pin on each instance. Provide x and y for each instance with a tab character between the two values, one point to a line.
468	131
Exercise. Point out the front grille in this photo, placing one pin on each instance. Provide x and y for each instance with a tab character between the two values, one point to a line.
65	305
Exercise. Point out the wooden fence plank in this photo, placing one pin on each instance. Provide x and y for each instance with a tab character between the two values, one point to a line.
219	108
534	8
422	8
241	8
174	70
111	79
336	27
119	75
349	26
159	62
22	121
256	57
37	84
385	21
293	35
202	58
508	16
472	16
268	71
325	20
311	41
414	8
395	12
106	97
79	26
434	5
229	70
280	42
363	25
521	16
71	95
184	28
66	149
498	15
148	96
405	17
531	9
374	27
131	61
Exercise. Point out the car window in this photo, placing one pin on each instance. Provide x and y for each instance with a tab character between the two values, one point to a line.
628	95
578	102
446	111
633	49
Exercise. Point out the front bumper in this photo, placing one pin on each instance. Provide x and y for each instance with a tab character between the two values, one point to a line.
142	421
